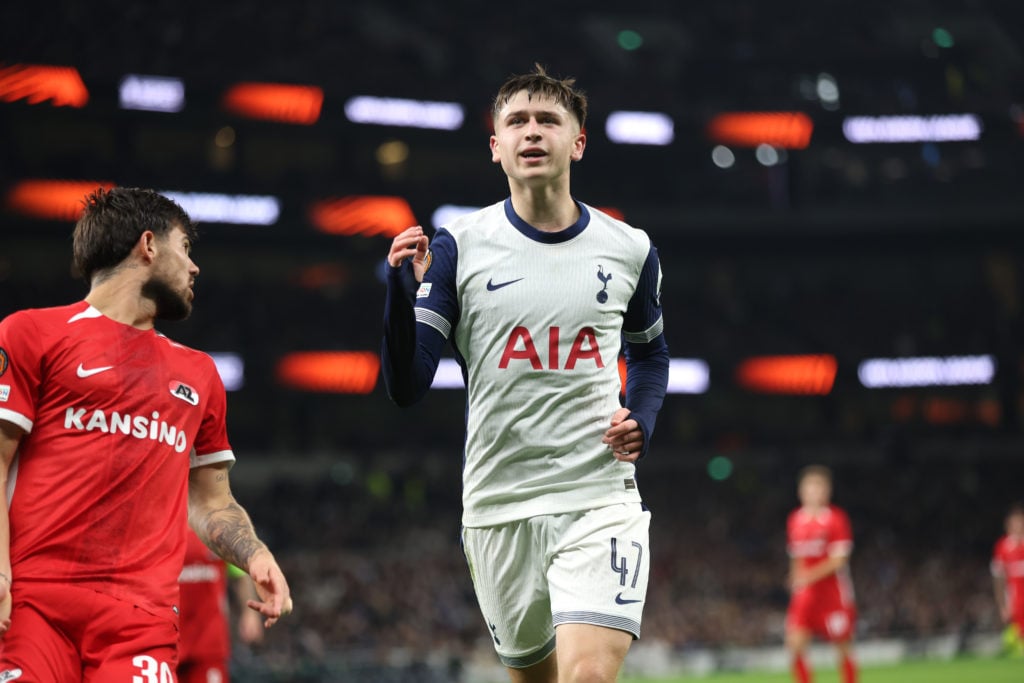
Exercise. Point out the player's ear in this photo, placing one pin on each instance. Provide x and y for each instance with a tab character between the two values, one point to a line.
578	145
146	246
495	154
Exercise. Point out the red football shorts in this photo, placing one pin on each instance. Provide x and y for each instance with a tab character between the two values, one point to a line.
826	617
203	671
64	634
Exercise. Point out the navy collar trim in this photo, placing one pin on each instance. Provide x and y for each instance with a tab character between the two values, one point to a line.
547	237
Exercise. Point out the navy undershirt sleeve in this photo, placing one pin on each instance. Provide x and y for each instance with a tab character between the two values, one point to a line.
647	359
411	350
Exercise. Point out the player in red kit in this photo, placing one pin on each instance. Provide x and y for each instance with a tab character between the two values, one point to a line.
113	440
819	541
205	648
1008	573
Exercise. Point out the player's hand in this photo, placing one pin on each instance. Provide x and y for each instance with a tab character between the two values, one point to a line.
275	597
5	603
1006	613
624	437
798	580
410	243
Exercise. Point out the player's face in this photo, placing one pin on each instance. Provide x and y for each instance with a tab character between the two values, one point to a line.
815	491
1015	525
535	139
174	274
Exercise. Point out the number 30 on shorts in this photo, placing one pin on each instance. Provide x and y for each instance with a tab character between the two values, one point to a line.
152	671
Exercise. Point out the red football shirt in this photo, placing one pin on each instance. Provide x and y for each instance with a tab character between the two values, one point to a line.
1008	562
812	539
115	416
204	605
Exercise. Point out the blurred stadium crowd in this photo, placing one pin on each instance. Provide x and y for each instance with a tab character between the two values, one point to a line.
373	550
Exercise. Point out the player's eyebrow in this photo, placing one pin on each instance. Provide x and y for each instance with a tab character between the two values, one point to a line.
526	113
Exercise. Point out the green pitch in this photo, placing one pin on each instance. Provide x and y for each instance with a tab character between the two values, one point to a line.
956	671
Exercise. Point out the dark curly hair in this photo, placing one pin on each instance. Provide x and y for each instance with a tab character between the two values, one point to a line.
114	220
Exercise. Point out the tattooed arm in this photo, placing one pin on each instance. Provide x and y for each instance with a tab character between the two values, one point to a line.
226	529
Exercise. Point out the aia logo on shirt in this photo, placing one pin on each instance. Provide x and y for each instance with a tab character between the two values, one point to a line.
184	392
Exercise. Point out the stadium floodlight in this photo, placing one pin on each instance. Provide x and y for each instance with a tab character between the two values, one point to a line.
446	213
362	215
152	93
782	129
54	200
688	376
231	369
929	371
283	102
393	111
239	209
336	372
939	128
61	86
640	128
810	374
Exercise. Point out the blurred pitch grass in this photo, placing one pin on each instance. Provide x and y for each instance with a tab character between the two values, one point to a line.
1003	670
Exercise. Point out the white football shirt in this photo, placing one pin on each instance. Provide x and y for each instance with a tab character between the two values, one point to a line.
537	321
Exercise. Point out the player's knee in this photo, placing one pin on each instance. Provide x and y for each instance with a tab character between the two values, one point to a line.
592	670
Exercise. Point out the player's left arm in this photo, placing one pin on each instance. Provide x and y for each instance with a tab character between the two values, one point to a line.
647	362
10	437
224	526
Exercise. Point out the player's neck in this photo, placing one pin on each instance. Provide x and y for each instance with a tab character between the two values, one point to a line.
549	208
120	299
815	509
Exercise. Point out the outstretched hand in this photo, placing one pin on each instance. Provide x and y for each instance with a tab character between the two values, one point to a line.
624	437
5	603
275	597
410	243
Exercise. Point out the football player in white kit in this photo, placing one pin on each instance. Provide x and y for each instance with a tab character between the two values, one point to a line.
538	295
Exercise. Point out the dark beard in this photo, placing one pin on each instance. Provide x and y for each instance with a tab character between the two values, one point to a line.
169	304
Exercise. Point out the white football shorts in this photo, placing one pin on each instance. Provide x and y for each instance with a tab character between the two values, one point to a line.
531	575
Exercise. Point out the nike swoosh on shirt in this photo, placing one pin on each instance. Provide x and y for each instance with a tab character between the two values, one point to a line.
620	601
491	286
82	372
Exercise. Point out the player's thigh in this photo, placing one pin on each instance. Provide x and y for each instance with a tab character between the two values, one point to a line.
507	568
203	671
35	650
600	567
127	644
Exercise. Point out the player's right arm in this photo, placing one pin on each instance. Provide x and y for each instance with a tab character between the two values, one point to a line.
21	349
414	337
10	437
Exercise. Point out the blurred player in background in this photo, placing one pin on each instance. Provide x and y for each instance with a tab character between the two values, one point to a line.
537	294
819	540
1008	574
113	440
204	652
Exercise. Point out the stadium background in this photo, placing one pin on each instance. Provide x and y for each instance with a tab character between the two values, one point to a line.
794	251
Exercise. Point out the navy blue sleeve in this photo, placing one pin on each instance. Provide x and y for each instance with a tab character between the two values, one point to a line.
646	351
418	319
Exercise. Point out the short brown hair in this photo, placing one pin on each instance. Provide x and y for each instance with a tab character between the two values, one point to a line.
538	82
114	220
815	471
